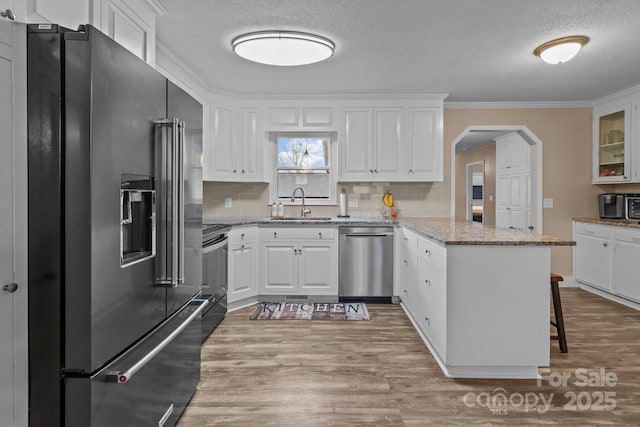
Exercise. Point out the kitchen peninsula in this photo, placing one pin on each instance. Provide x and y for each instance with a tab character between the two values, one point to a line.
477	295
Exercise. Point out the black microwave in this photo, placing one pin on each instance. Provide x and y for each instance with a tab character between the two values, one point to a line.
632	206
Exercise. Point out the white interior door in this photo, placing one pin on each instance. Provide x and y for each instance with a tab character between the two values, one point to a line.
13	212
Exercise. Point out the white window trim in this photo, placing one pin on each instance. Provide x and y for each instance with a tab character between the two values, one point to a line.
333	171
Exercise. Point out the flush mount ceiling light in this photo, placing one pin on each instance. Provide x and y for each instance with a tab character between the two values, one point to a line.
560	50
283	48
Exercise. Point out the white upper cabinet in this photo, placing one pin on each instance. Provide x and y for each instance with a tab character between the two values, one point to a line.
356	148
233	150
68	13
300	115
612	143
387	142
371	149
132	23
377	140
399	142
513	154
424	144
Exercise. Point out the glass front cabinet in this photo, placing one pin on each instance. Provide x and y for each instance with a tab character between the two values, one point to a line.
612	143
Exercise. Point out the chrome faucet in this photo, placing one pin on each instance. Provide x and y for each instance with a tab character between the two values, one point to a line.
304	210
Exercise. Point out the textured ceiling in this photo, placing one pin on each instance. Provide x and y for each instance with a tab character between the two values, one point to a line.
474	50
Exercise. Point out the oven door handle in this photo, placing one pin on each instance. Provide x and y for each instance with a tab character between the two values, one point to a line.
122	377
215	246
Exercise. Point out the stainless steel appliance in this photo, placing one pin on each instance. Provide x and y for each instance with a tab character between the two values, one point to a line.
115	223
215	249
366	264
632	206
611	205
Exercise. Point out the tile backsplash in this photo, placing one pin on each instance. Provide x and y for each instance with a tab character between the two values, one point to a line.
420	199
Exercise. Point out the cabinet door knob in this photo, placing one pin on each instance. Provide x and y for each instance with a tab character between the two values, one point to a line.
11	288
295	252
371	170
406	262
605	244
428	282
242	247
242	170
275	235
427	251
320	235
427	319
242	236
375	170
234	171
410	170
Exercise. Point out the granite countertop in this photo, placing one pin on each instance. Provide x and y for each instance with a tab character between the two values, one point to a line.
616	222
449	231
446	231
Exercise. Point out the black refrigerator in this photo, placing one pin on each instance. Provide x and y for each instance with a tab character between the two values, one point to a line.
115	234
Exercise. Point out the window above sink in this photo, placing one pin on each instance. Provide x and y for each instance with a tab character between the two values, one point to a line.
307	160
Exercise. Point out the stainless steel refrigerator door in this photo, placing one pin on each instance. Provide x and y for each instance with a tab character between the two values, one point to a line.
150	385
182	106
111	101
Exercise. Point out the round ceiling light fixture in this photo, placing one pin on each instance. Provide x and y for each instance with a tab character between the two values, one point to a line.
560	50
283	48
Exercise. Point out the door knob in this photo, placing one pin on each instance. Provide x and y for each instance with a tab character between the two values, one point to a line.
11	288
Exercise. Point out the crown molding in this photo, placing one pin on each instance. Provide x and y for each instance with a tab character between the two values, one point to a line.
155	6
635	90
516	105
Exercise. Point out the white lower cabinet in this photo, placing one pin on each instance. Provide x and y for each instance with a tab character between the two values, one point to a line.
431	289
406	266
478	324
301	261
593	255
242	264
626	257
606	257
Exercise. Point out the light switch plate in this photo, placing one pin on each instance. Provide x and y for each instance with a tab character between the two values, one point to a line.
228	202
547	203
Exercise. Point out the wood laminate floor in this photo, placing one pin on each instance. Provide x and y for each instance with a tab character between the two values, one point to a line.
332	373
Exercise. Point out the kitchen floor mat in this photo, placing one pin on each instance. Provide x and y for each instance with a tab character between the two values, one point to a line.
310	311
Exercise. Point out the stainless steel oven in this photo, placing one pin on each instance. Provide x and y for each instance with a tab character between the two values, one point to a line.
214	276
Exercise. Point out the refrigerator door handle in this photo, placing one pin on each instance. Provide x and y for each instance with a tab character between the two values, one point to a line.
169	179
122	377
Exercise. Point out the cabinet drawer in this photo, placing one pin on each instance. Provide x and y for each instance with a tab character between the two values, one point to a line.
432	284
594	230
283	233
432	324
630	235
431	253
242	234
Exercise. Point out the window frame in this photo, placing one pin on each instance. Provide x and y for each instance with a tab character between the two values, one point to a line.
333	168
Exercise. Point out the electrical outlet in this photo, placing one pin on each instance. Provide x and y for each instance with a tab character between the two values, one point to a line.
353	203
547	203
228	202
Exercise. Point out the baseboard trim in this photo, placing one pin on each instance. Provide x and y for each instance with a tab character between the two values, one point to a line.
611	297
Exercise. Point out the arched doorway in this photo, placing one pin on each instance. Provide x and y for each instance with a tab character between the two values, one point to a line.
477	137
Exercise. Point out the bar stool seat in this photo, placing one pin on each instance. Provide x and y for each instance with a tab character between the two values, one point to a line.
557	310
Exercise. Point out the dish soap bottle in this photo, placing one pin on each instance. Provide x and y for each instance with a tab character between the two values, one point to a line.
280	210
274	210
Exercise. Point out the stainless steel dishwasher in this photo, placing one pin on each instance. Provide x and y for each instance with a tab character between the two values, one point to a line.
366	264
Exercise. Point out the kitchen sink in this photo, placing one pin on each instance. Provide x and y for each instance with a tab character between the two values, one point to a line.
299	218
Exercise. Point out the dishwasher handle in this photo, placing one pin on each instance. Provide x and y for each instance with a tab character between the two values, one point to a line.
368	235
